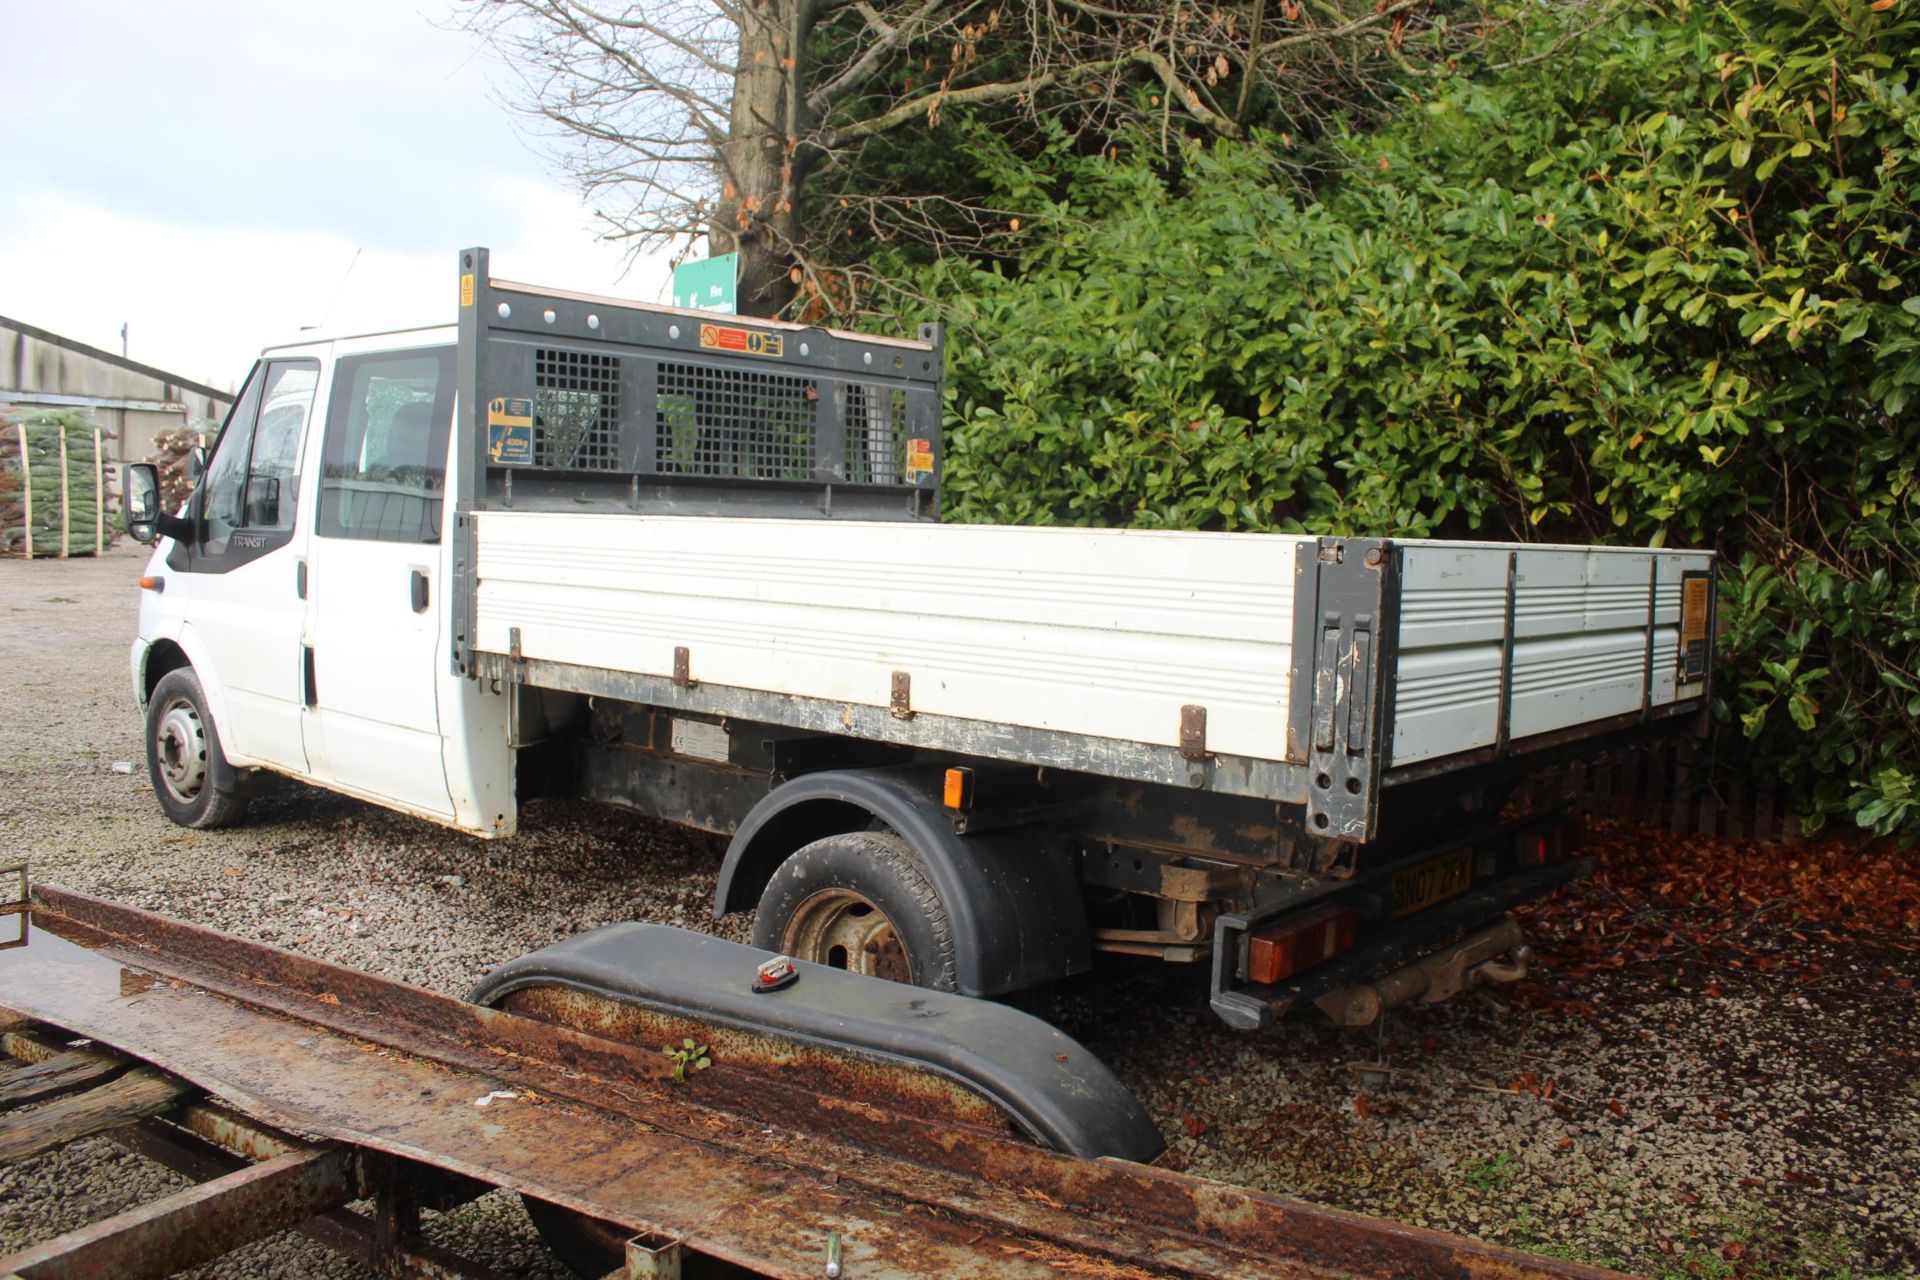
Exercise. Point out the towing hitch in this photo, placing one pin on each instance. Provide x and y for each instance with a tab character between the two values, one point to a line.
1497	953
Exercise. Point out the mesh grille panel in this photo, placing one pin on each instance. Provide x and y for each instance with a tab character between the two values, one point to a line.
734	422
876	434
576	410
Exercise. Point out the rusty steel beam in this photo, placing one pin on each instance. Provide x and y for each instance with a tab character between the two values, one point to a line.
346	1232
751	1161
198	1224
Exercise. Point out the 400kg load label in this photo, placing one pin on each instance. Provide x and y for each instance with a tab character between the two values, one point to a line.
510	431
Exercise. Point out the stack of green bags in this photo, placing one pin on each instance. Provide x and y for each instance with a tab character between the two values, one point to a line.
56	470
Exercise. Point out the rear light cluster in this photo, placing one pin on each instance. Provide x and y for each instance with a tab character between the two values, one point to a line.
1540	845
1299	942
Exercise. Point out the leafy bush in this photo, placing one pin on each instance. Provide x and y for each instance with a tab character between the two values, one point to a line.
1650	278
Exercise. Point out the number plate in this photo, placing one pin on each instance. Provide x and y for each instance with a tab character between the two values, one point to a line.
1433	881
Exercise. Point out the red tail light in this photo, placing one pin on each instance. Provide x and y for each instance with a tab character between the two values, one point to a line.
1541	845
1298	942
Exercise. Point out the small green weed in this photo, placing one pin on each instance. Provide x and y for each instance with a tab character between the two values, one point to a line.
1490	1175
687	1056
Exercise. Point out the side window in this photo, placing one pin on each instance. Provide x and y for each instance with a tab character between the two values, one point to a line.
386	450
253	479
273	476
226	473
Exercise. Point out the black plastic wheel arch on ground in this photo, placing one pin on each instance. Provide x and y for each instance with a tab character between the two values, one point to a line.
1048	1083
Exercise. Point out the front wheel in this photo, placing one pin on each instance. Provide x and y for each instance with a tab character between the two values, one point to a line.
182	751
859	901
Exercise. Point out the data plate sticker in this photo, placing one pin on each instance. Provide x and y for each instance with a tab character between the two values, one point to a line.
510	431
1435	880
1696	612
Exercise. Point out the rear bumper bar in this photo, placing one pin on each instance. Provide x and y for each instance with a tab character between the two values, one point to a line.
1249	1007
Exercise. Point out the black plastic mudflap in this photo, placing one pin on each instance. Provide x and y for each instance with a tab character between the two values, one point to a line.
1044	1081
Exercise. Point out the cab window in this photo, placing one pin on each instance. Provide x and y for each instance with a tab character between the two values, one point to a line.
251	487
386	448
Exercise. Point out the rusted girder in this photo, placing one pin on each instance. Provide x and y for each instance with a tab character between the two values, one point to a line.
199	1223
756	1161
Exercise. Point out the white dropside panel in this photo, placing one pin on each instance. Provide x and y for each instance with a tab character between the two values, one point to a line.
1100	632
1580	619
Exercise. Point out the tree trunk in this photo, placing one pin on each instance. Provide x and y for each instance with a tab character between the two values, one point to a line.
758	215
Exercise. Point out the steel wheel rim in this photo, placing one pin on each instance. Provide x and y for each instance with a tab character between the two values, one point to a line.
844	929
180	744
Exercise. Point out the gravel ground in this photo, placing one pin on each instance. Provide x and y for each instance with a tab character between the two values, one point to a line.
1697	1113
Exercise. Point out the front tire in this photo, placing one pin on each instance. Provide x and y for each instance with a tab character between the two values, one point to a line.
184	755
859	901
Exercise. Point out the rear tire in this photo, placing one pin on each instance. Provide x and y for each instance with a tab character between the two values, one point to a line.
184	755
859	901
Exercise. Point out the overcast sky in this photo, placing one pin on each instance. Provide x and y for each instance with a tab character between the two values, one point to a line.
206	170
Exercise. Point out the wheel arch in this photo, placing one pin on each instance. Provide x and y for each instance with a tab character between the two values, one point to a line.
1011	897
163	656
167	654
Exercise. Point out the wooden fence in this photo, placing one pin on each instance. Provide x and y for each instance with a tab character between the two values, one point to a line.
1667	786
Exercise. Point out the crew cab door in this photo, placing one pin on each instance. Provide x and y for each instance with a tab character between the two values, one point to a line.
240	572
373	646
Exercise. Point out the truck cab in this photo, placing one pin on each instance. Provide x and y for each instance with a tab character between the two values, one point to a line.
299	604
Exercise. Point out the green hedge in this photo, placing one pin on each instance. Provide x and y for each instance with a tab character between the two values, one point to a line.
1651	278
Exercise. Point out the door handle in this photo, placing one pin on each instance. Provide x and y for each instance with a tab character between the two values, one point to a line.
418	592
300	578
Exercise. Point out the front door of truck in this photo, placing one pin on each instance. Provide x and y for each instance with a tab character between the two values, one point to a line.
373	647
240	574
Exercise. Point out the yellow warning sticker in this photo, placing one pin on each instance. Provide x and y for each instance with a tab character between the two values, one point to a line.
725	337
919	458
466	289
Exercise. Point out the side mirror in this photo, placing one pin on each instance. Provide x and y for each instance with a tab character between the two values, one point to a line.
140	500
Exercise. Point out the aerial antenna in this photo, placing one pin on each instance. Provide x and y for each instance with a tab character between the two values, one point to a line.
338	290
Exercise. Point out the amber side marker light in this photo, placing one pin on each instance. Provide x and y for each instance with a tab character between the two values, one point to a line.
958	791
153	583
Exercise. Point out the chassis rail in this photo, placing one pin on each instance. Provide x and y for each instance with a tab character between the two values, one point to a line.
420	1102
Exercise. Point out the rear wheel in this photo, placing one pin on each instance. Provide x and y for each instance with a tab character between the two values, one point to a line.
183	755
859	901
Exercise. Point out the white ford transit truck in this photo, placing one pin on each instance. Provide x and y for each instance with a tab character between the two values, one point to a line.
693	565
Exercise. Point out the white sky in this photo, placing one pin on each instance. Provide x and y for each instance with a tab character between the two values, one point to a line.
205	170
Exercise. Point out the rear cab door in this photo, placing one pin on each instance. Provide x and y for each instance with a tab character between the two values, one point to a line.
374	635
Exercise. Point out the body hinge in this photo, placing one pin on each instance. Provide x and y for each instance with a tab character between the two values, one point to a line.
1193	732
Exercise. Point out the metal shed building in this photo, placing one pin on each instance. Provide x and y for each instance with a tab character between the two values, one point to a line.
132	402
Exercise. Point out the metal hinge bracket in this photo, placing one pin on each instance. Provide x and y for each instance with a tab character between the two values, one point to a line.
1193	732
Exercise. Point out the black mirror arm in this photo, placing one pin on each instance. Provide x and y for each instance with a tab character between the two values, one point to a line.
179	528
